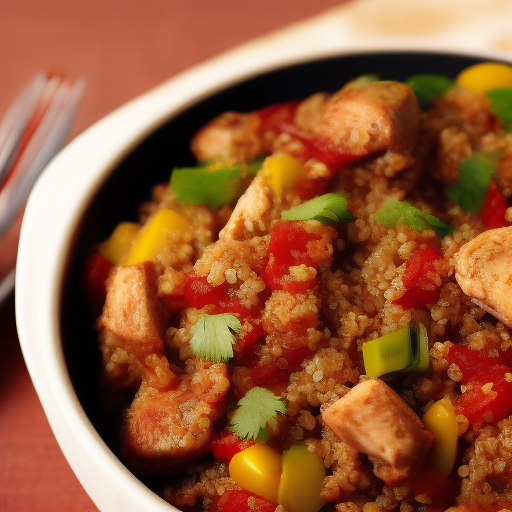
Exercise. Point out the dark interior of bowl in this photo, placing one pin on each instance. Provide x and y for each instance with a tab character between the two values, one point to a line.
152	161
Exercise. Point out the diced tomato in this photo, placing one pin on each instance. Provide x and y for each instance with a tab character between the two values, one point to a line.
474	403
420	288
279	370
473	363
227	444
441	490
479	370
494	208
287	248
198	292
94	278
274	117
279	118
248	338
235	500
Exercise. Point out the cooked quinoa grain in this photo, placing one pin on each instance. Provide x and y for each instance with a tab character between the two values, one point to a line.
242	300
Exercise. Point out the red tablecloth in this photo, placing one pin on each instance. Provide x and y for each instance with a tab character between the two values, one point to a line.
123	47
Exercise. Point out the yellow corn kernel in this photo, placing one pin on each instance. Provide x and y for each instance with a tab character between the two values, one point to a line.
257	469
301	480
119	242
152	237
440	419
282	172
485	76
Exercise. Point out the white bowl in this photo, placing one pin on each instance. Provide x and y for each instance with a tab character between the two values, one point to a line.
71	208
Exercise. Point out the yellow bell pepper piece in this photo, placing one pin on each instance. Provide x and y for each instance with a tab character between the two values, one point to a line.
282	172
440	419
119	242
485	76
301	480
152	237
257	469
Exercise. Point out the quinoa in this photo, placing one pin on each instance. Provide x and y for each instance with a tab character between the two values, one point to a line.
306	308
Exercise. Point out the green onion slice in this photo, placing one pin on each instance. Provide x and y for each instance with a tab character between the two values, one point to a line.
402	350
394	212
326	209
427	87
470	189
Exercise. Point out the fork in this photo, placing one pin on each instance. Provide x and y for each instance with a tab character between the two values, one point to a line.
33	130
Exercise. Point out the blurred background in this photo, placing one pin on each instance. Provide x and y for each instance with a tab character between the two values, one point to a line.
124	48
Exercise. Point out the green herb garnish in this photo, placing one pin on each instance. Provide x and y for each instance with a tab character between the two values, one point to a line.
204	185
427	87
254	411
392	213
325	209
213	337
501	104
470	189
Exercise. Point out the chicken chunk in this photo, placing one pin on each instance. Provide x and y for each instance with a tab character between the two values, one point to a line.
483	269
133	312
374	420
165	430
230	136
252	212
362	119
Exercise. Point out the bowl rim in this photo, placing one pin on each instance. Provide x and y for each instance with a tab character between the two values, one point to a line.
77	173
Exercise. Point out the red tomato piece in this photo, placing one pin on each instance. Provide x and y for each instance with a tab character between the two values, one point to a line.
227	444
279	370
95	276
474	403
238	501
247	338
198	292
494	208
441	490
420	288
274	117
287	248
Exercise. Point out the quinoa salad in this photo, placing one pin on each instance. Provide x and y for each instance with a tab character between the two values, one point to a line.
318	315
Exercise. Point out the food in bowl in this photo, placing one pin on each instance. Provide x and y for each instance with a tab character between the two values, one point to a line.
318	315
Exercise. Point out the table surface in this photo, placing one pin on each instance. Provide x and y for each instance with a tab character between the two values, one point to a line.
124	48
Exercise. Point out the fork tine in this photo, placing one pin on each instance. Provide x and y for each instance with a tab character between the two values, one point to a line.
16	119
47	139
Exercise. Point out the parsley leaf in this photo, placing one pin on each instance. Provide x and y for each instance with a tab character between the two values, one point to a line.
390	214
474	178
213	337
254	411
325	209
501	104
204	185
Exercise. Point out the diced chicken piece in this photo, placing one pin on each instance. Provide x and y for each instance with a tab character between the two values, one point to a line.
362	119
373	419
165	430
133	312
483	269
231	135
252	213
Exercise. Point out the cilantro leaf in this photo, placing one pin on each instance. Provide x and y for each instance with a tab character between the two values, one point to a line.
254	411
325	209
427	87
501	104
474	178
213	337
390	214
203	185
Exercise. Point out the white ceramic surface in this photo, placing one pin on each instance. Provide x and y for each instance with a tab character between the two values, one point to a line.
57	203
